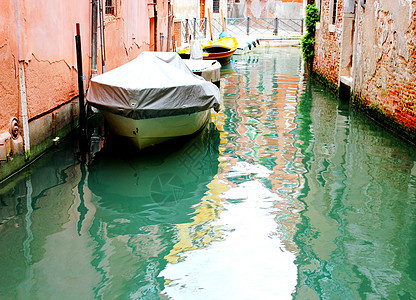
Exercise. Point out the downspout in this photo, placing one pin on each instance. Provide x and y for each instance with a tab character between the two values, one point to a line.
23	108
155	24
22	84
102	36
169	26
94	38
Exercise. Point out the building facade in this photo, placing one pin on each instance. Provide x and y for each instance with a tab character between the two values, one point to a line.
369	46
38	65
284	9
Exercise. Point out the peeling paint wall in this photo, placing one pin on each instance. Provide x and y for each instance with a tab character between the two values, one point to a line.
385	58
9	71
185	9
285	9
380	59
37	42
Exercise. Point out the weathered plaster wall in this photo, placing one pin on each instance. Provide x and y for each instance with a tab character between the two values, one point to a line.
185	9
328	39
286	9
347	44
289	9
128	33
385	58
8	75
40	37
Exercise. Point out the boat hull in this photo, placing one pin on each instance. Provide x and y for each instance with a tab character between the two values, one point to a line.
148	132
222	57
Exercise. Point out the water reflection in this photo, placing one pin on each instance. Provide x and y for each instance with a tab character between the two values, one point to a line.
255	256
289	194
112	221
357	237
158	187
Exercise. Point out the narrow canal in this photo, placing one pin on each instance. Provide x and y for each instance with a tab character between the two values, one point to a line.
288	194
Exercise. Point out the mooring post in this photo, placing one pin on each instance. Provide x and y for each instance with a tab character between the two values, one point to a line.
301	26
194	28
276	26
186	30
82	115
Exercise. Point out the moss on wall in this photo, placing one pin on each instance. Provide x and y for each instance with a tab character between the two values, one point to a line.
374	112
384	118
328	84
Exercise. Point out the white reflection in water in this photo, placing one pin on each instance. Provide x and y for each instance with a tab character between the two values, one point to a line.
249	263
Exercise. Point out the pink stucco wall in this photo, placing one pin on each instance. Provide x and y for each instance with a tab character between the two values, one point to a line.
41	34
8	68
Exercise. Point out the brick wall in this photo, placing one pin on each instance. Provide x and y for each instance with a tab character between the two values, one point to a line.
178	34
385	60
328	44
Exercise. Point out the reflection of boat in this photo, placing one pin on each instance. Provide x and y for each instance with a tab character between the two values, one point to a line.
155	188
221	50
153	98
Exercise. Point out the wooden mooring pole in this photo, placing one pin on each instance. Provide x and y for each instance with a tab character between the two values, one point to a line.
82	114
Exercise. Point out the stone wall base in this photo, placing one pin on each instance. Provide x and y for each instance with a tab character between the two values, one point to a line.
43	133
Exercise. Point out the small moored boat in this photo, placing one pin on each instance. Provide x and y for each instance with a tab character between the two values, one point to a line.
246	44
153	98
221	50
210	70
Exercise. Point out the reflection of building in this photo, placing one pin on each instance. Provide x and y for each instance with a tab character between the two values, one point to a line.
39	240
263	97
357	221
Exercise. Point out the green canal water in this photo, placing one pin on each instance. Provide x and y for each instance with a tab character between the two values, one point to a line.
287	194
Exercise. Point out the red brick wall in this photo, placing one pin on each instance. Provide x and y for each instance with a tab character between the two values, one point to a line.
386	60
328	44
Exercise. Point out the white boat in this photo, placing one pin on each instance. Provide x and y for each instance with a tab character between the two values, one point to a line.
153	98
210	70
246	44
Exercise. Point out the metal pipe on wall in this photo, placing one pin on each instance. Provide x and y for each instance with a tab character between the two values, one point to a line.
155	24
94	26
169	27
102	36
22	83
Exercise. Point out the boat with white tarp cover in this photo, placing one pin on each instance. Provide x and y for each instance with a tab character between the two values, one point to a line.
153	98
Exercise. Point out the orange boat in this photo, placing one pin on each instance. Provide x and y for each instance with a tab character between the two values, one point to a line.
220	50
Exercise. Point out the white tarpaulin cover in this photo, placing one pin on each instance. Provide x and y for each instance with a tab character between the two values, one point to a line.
155	84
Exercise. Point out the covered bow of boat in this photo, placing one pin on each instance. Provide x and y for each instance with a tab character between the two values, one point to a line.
155	84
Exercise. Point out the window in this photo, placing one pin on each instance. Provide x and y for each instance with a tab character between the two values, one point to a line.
216	6
110	7
334	11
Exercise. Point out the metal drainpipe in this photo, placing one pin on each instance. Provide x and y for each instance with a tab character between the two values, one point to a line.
102	36
169	27
94	38
155	24
22	84
23	108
